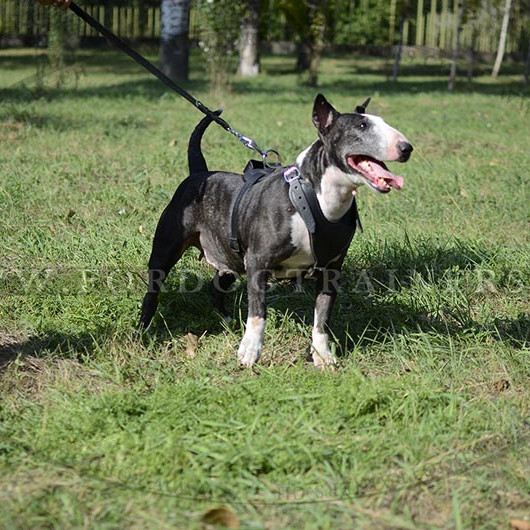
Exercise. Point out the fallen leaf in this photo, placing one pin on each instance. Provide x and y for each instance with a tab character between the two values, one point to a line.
141	229
221	516
501	385
519	524
409	365
191	345
173	143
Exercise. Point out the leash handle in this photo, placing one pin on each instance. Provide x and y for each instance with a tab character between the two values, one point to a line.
150	67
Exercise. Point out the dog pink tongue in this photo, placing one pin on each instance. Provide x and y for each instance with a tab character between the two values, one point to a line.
379	172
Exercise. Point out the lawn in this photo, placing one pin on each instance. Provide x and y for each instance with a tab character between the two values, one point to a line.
426	422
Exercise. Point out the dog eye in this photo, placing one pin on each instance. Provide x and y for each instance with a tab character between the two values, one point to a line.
363	125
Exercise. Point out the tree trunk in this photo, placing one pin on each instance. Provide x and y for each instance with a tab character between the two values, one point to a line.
399	47
502	39
317	30
249	43
174	46
57	44
456	51
30	22
303	59
527	65
471	53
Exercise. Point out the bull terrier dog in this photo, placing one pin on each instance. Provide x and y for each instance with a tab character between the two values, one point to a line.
292	222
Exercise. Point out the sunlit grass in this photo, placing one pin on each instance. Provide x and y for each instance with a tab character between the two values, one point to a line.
425	424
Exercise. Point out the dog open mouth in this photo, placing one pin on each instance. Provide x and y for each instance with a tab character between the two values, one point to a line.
376	173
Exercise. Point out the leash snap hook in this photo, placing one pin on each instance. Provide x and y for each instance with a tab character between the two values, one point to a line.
245	140
290	174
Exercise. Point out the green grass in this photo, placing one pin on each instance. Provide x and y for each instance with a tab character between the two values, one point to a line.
426	424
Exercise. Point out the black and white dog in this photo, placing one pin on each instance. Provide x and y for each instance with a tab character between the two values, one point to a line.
275	237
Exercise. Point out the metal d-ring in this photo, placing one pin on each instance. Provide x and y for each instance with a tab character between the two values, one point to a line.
273	164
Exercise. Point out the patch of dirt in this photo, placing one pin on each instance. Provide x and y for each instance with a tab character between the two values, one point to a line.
11	130
15	344
25	370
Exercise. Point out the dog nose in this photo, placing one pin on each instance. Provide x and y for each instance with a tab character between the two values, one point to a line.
404	150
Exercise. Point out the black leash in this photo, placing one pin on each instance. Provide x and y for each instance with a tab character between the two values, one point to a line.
150	67
302	195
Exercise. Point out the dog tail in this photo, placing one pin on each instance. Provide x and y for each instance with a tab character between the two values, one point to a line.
196	161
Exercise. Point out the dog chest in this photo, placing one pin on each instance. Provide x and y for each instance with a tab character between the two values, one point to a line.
302	258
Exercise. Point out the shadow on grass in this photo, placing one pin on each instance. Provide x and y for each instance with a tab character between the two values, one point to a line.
357	78
374	303
45	345
148	89
377	301
13	347
50	122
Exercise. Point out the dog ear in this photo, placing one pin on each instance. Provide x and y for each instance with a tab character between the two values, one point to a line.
323	114
361	109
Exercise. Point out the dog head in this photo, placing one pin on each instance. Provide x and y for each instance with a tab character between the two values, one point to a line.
358	144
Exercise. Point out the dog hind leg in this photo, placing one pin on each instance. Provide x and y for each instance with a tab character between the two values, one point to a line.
218	287
169	244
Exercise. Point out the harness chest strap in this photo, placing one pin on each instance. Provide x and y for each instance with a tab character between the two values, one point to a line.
329	239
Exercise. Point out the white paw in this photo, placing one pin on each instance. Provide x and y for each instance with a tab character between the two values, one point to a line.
322	355
248	354
250	348
323	359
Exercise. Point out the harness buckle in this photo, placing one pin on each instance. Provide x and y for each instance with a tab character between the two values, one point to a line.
290	174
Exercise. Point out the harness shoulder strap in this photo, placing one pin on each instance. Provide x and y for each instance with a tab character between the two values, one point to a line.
254	171
329	239
302	202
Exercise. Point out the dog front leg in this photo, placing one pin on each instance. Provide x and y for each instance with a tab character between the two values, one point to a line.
250	348
327	287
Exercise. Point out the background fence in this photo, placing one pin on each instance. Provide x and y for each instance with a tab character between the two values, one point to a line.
431	23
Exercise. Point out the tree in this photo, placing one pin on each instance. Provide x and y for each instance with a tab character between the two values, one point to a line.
308	19
471	18
249	41
220	23
405	8
317	29
456	49
502	39
57	41
174	46
527	65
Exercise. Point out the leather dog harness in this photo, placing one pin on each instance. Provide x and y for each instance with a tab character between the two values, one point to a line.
329	239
